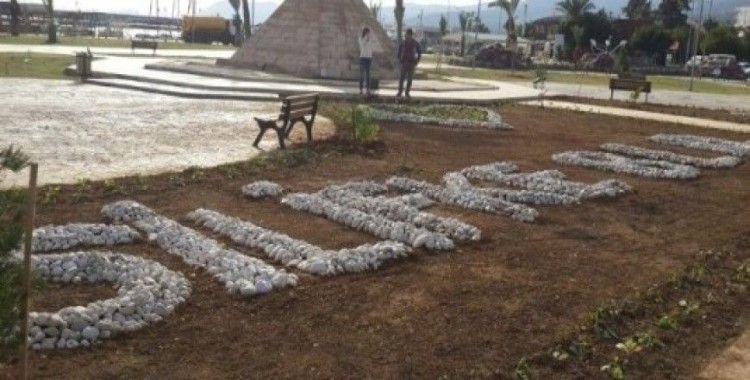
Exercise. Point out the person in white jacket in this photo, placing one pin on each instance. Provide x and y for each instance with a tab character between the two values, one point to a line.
365	60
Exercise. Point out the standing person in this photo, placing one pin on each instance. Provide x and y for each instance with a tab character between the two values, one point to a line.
409	55
365	60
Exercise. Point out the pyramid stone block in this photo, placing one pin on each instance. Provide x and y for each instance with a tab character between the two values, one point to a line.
317	39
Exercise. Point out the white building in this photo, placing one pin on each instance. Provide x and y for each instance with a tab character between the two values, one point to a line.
743	17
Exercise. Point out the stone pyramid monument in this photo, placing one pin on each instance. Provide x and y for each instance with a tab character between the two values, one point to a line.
317	39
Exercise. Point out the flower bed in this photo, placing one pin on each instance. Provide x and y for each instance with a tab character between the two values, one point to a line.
374	224
440	115
551	181
621	164
398	211
298	253
239	273
55	238
664	155
735	148
262	189
469	199
147	292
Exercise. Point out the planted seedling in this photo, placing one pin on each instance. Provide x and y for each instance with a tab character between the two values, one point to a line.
522	371
604	319
667	322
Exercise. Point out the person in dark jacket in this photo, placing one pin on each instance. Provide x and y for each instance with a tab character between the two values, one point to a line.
409	54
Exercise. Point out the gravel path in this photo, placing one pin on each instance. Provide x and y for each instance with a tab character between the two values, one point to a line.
77	131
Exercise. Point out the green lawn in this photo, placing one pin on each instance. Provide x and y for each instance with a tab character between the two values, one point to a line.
40	66
659	82
27	39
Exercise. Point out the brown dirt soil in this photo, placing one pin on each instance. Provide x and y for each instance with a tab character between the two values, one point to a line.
671	110
474	312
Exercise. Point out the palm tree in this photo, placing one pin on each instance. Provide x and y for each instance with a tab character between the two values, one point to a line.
399	13
638	9
509	6
574	10
51	28
246	15
464	21
14	11
237	22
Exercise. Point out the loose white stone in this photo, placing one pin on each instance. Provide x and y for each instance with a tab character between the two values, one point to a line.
262	189
622	164
735	148
299	253
664	155
227	265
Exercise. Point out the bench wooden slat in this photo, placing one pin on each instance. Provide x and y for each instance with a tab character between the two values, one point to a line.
629	85
297	108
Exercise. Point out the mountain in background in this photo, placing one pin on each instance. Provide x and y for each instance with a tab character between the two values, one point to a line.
494	18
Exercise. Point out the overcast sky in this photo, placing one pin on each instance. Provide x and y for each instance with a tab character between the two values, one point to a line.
142	6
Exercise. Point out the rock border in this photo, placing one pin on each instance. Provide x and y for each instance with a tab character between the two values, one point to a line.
665	155
494	120
621	164
715	144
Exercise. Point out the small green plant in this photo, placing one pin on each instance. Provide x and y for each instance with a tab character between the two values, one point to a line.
615	370
540	77
229	171
176	180
112	187
83	185
667	322
689	308
195	174
522	370
604	318
139	183
364	127
50	195
742	273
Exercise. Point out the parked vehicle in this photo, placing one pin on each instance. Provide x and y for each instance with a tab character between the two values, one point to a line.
745	66
207	30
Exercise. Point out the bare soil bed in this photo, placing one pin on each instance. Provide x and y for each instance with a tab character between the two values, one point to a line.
521	292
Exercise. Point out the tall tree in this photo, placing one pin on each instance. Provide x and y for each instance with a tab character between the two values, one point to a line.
398	12
443	25
375	9
14	13
673	13
509	6
574	10
237	22
464	22
246	16
638	9
51	26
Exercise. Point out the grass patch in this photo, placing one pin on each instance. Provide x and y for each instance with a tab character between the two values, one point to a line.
39	66
708	86
31	39
440	111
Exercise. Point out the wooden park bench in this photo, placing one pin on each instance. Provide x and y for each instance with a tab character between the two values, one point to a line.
294	109
630	82
141	44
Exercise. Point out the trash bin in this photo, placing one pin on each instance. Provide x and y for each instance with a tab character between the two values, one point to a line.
83	65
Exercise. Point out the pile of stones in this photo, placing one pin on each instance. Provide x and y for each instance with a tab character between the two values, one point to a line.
371	223
735	148
56	238
457	181
621	164
465	198
665	155
547	181
262	189
239	273
147	292
301	254
494	120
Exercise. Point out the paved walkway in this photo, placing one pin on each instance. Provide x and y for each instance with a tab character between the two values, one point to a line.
76	131
644	115
71	50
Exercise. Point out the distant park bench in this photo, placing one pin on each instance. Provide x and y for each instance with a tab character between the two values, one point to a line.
294	109
630	82
141	44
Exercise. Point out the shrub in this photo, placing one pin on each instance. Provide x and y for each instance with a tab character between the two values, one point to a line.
364	127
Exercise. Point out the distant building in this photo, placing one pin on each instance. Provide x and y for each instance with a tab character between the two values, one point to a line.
743	18
545	28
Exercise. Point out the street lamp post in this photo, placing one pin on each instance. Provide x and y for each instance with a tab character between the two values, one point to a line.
695	45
